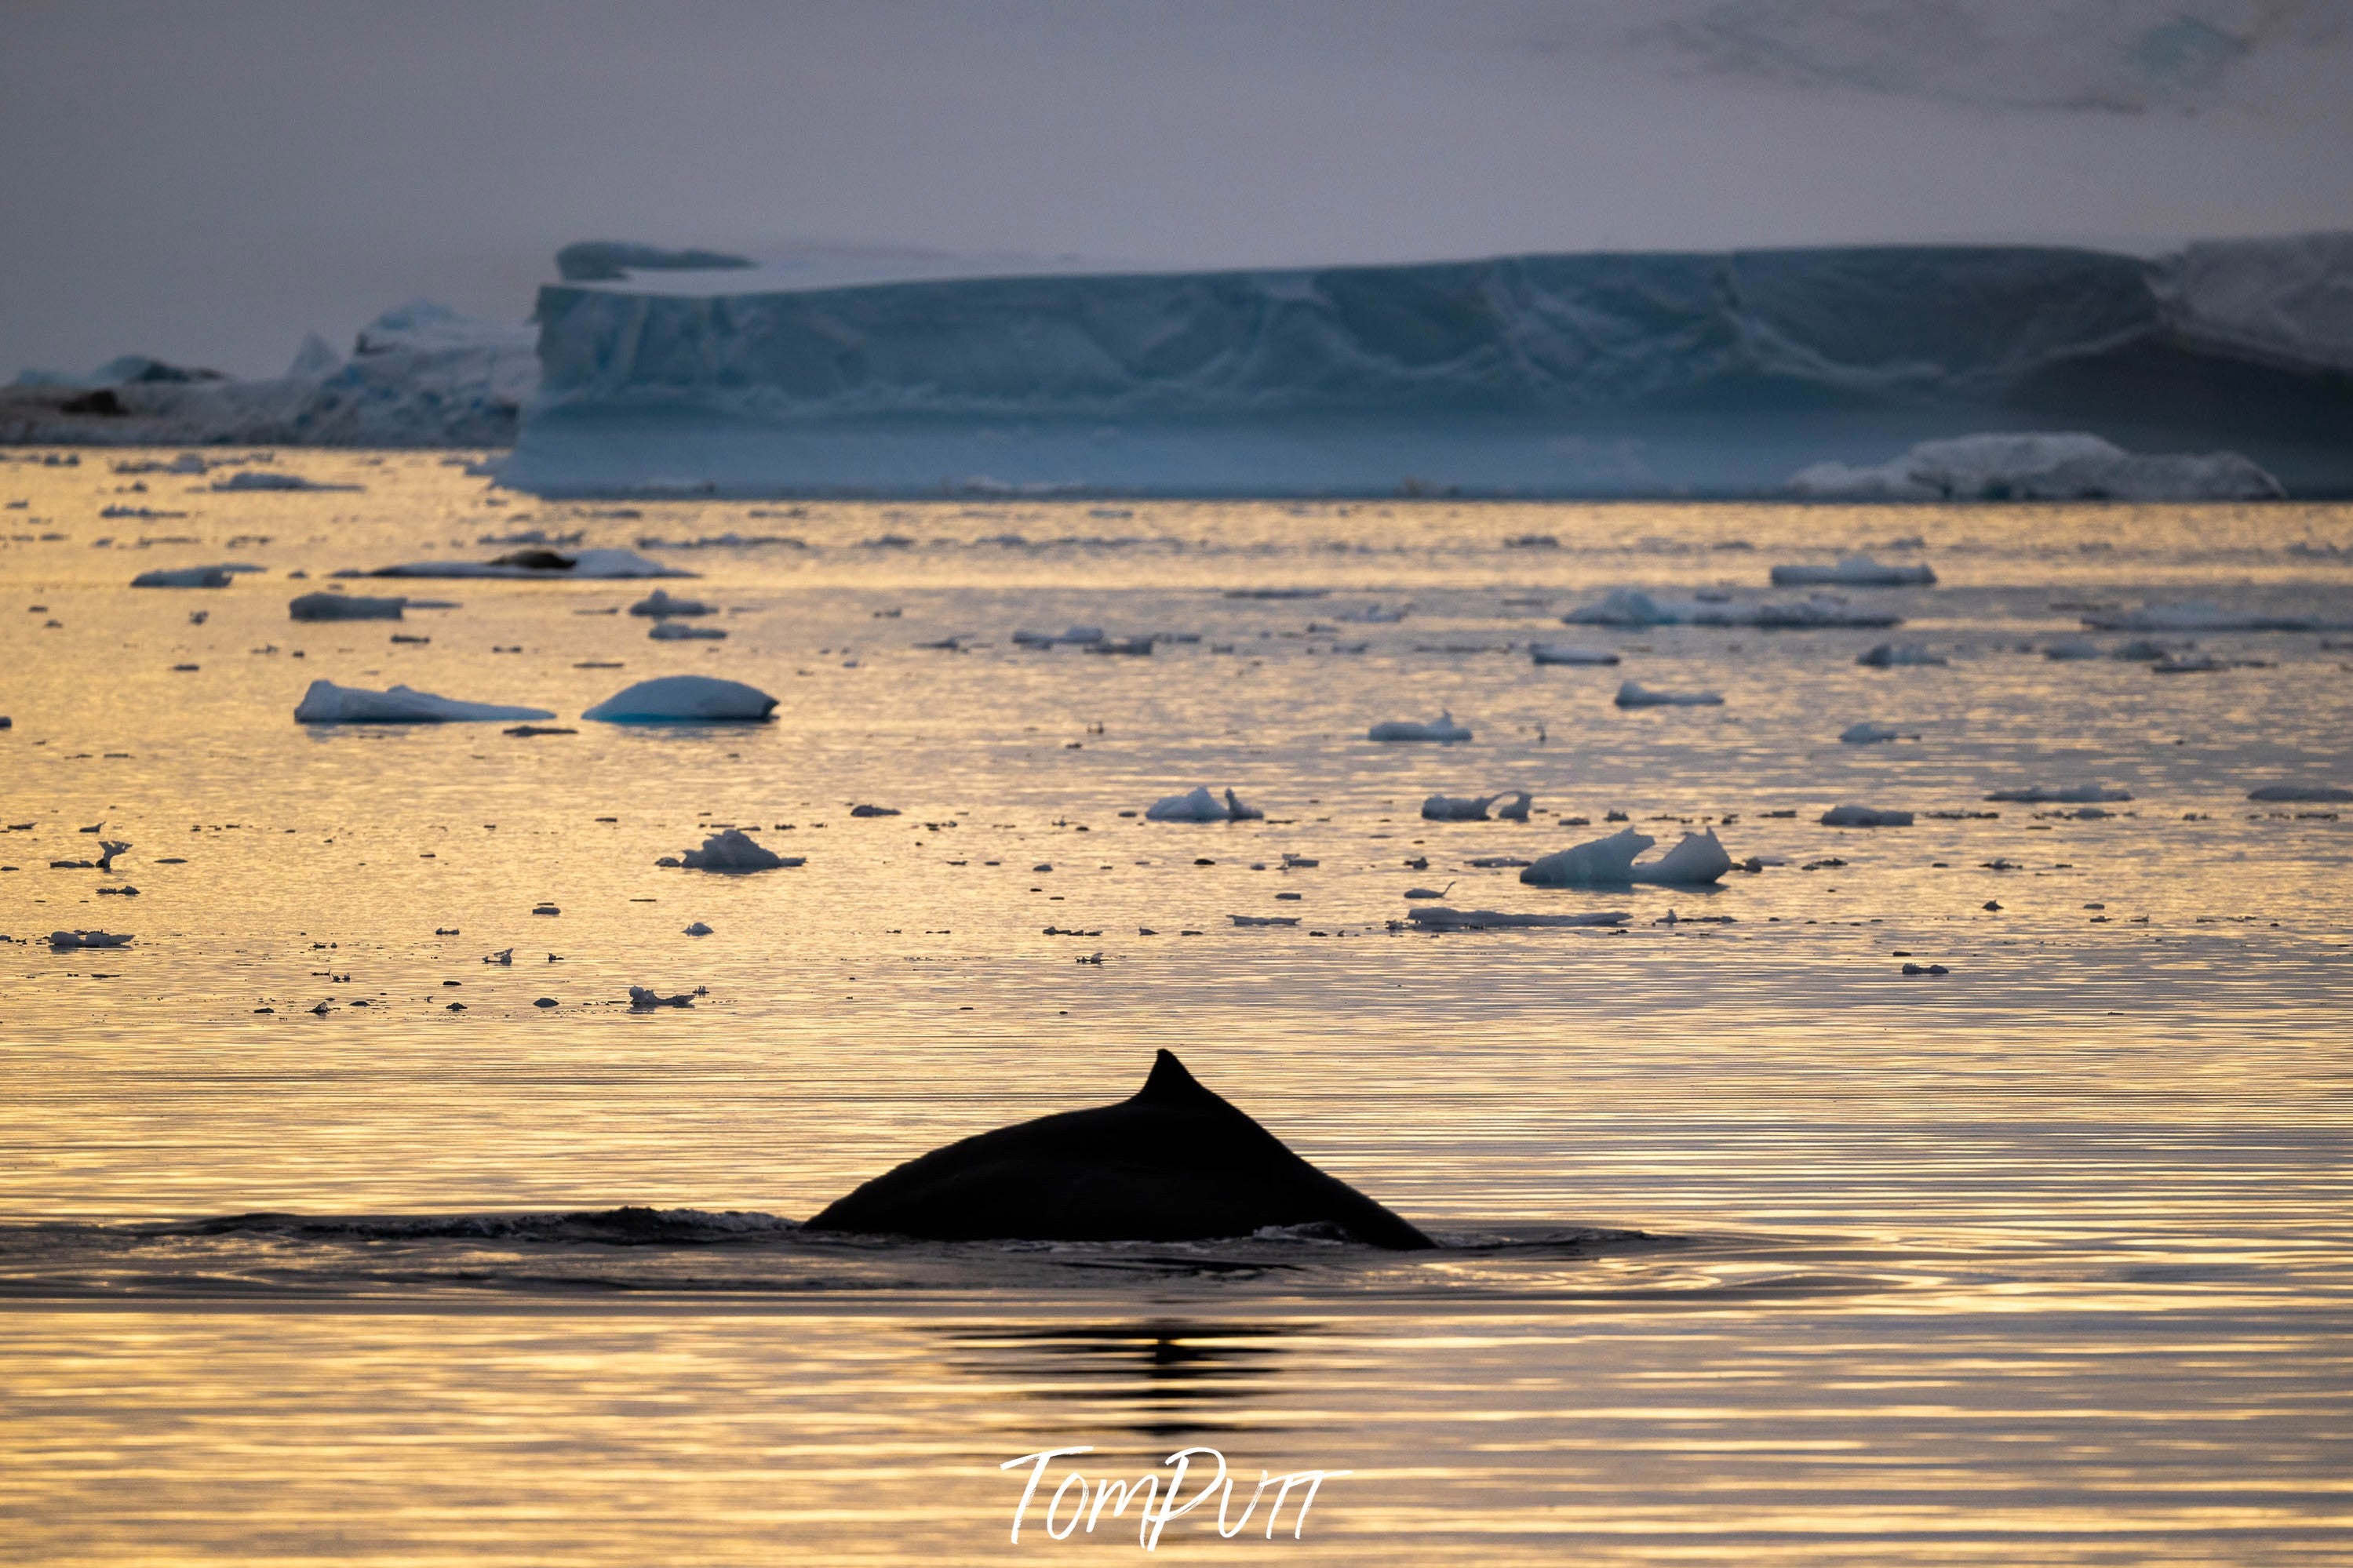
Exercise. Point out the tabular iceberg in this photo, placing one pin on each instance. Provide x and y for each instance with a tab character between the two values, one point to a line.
1703	374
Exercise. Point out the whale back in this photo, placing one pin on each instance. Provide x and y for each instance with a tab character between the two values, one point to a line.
1174	1162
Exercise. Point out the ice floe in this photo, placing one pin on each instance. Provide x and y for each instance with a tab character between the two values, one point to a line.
1634	694
2040	466
1893	654
1865	816
344	607
2060	795
1852	572
1562	653
1474	807
1438	917
185	577
2199	615
2301	792
731	849
63	939
661	602
328	703
579	565
1609	862
1630	609
683	699
1442	730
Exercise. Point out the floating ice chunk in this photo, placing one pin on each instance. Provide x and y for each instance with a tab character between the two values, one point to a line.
642	999
2199	615
1890	655
1196	805
679	631
63	939
870	810
1473	807
698	929
328	703
1634	694
1865	816
1442	730
344	607
1630	609
1870	734
1609	862
1264	919
2301	792
1855	572
2071	649
683	699
1376	614
1515	809
2064	794
659	603
1075	636
184	577
2041	466
1132	648
263	479
580	565
1441	918
1237	810
1561	653
731	850
2187	664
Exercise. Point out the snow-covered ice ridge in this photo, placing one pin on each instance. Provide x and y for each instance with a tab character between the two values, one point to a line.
419	375
1721	373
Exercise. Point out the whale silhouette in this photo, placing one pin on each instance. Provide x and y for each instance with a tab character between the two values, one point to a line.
1173	1163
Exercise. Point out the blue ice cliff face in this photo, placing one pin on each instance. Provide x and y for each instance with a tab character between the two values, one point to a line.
1601	374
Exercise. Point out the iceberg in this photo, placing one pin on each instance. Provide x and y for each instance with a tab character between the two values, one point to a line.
1853	571
344	607
1634	694
1442	730
1698	859
1865	816
328	703
683	699
1561	653
731	850
2064	794
2038	466
1698	374
2200	615
537	565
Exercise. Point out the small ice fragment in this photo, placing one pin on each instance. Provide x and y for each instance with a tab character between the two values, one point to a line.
1633	694
584	564
644	1000
1441	917
184	577
1197	805
1236	811
679	631
1442	730
2064	794
328	703
2301	792
2071	649
544	1002
1561	653
698	929
62	940
683	699
874	811
1925	969
1865	816
659	603
731	850
1889	655
1855	572
2197	616
344	607
1607	862
261	480
1264	919
1867	733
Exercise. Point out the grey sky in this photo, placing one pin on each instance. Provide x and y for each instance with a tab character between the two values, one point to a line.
205	181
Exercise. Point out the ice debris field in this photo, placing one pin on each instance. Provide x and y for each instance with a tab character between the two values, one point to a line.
1043	751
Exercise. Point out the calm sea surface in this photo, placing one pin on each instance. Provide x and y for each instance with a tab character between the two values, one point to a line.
1760	1251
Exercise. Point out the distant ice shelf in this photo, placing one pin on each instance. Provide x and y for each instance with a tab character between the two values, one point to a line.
1632	374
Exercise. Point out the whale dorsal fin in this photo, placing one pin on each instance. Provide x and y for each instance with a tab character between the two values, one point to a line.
1170	1084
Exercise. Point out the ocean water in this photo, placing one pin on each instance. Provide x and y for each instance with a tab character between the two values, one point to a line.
1759	1250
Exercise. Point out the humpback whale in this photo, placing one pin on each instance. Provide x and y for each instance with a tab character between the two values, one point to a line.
1174	1162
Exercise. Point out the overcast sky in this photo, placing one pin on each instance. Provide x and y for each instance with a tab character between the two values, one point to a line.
205	181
